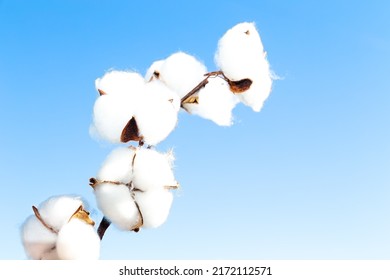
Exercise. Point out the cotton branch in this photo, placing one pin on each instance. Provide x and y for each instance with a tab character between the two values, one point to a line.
202	84
103	226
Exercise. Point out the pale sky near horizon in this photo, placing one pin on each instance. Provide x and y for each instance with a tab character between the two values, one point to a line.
306	178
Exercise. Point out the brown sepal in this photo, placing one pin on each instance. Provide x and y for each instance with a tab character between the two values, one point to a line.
102	92
240	86
83	215
130	132
191	100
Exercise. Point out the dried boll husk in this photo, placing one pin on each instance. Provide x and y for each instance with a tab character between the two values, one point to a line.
241	57
153	170
214	102
77	240
154	206
180	71
157	113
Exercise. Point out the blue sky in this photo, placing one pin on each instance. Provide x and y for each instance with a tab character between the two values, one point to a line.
306	178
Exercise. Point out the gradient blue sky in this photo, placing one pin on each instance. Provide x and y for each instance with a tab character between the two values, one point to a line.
306	178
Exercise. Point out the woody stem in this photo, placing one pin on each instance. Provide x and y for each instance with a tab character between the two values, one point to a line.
103	226
202	84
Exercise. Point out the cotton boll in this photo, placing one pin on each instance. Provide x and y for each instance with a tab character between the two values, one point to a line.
120	83
57	211
110	115
156	115
118	166
152	171
154	206
214	102
117	204
181	72
38	241
242	59
77	240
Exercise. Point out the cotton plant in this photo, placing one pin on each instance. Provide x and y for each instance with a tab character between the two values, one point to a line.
134	186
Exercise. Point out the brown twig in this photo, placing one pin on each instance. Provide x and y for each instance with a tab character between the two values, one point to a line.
202	84
103	226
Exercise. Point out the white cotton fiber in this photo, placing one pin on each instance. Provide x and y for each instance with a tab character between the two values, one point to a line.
40	231
181	72
156	115
152	170
117	204
154	70
118	166
257	94
120	92
120	83
240	55
56	211
214	102
154	206
78	240
240	51
110	116
38	241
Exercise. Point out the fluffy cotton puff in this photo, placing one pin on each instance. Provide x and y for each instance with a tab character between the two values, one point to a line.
117	204
152	170
240	55
77	240
38	241
154	206
257	94
118	166
156	115
239	51
154	70
181	72
120	83
214	102
110	115
56	211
